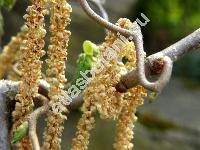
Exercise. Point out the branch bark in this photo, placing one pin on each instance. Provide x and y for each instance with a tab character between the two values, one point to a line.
4	114
33	124
4	132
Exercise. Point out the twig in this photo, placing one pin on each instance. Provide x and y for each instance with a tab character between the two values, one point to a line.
167	56
85	6
174	52
165	73
103	12
153	65
101	9
33	117
4	123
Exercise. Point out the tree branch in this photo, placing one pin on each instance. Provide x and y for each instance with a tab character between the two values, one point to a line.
33	117
165	57
104	22
4	113
153	66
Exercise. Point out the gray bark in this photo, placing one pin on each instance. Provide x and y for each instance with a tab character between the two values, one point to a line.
5	115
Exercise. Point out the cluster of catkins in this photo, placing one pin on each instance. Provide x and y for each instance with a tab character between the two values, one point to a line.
117	57
26	49
101	95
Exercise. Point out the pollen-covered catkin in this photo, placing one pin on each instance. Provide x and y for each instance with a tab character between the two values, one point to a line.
10	52
57	55
30	64
127	118
86	122
132	99
108	101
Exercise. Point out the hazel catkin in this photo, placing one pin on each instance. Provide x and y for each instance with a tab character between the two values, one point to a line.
127	118
30	64
57	55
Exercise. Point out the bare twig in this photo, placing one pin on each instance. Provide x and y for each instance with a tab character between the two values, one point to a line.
174	52
165	74
32	119
153	66
4	123
103	12
85	6
101	9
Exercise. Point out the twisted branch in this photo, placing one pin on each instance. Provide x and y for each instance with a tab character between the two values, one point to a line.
101	9
154	66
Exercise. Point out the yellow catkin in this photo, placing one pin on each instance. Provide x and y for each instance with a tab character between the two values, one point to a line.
86	122
101	94
132	99
55	74
10	52
127	118
109	102
30	64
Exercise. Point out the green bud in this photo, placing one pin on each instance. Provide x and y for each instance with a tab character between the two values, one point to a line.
90	48
20	133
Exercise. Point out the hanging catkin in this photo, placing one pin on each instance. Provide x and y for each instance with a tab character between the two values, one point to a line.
86	122
127	118
57	55
10	52
132	99
30	64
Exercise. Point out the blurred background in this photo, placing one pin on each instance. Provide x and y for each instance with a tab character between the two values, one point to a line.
172	122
